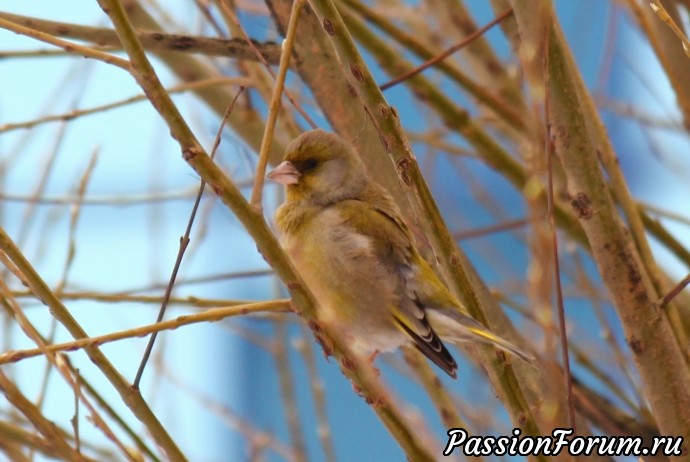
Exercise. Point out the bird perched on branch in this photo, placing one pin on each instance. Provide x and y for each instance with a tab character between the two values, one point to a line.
349	242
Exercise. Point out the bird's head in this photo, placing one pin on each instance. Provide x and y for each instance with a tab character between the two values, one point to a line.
320	168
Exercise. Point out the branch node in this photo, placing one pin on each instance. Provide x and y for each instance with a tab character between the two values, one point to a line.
403	165
188	154
328	26
636	345
582	205
357	72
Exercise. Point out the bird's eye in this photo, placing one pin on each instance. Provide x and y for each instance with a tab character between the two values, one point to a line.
309	164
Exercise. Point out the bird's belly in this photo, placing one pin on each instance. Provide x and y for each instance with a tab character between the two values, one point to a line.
354	295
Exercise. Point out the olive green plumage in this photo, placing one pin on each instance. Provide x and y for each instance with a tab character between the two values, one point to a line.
349	242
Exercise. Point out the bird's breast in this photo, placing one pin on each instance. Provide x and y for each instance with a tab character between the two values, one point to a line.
353	289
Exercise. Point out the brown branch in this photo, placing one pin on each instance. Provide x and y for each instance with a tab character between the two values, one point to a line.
71	115
69	47
436	59
154	41
43	425
211	315
184	242
673	293
274	106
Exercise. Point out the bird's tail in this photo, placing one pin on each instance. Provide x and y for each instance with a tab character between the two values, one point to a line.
457	327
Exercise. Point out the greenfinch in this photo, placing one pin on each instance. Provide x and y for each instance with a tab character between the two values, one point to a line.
349	242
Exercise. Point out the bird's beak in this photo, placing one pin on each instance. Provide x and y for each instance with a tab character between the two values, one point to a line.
285	174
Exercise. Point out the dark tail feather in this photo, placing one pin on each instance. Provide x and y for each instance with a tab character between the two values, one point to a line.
434	349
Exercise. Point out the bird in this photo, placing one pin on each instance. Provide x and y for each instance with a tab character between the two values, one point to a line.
348	240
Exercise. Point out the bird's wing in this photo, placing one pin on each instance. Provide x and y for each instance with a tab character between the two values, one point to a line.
392	246
457	328
426	300
421	280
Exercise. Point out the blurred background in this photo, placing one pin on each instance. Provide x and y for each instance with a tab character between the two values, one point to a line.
95	194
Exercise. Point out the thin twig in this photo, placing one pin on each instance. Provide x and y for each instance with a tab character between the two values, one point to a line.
252	433
549	153
134	99
69	47
288	394
41	53
75	418
210	315
323	427
464	42
492	229
75	213
126	298
439	395
206	12
589	291
284	50
201	280
274	105
673	293
157	41
114	201
184	242
678	217
486	97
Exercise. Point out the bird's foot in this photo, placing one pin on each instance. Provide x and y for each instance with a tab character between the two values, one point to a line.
370	361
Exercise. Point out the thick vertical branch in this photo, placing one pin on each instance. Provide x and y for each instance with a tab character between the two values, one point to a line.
655	350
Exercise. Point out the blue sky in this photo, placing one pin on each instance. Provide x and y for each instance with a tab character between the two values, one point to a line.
127	247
